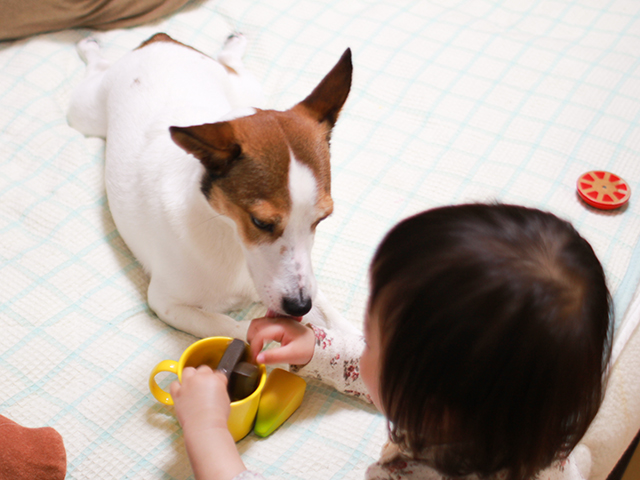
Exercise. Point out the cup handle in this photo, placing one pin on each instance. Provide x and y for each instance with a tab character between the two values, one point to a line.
162	396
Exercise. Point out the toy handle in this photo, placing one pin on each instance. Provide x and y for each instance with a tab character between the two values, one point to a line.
161	395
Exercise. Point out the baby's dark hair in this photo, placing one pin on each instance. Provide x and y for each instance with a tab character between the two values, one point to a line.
495	327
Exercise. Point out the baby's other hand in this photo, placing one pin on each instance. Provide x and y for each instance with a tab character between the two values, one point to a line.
201	400
297	341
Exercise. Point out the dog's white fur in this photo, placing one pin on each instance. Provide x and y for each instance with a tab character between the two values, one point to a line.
200	265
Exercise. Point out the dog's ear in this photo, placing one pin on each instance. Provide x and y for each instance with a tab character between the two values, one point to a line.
214	144
327	99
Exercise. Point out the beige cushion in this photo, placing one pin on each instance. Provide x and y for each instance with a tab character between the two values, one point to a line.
21	18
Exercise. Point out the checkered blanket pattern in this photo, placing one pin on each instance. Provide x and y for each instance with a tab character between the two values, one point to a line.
472	100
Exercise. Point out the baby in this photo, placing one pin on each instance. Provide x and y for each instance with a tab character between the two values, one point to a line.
487	335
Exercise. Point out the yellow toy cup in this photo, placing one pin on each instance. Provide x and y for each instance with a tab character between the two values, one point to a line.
209	351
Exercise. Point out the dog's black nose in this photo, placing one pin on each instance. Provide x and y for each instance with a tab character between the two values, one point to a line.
296	306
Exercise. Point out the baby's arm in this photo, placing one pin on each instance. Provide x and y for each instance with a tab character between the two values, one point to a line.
202	407
331	357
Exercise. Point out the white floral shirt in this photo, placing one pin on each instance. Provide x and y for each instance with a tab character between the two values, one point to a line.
336	362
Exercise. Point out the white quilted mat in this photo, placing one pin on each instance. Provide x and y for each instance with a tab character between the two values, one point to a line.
451	102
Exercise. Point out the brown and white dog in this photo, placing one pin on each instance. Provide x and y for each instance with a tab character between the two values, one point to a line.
217	199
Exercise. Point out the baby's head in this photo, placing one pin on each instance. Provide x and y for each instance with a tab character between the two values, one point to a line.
495	333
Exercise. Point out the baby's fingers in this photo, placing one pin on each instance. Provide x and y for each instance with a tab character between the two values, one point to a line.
290	353
262	334
174	388
257	327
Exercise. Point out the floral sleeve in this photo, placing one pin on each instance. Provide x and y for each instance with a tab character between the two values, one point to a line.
336	362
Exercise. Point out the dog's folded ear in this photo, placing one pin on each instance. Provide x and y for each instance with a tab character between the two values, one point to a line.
327	99
214	144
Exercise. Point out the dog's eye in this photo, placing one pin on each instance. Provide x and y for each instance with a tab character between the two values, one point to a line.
267	227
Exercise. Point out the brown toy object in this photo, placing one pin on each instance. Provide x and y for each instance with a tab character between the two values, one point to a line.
242	377
31	453
21	18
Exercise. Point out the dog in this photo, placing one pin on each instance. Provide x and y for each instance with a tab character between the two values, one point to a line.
218	199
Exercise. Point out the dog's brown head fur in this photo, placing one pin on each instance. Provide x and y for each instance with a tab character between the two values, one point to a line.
270	173
247	159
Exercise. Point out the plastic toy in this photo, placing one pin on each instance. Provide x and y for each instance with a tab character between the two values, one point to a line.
281	396
255	398
242	377
603	190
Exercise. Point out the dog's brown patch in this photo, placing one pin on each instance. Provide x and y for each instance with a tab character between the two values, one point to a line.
308	142
163	37
247	159
310	146
327	99
158	37
257	183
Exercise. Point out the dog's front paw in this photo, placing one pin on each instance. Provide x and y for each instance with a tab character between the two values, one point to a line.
87	47
236	41
233	50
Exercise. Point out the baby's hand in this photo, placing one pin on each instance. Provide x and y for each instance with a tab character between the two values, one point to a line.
297	341
203	406
201	400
